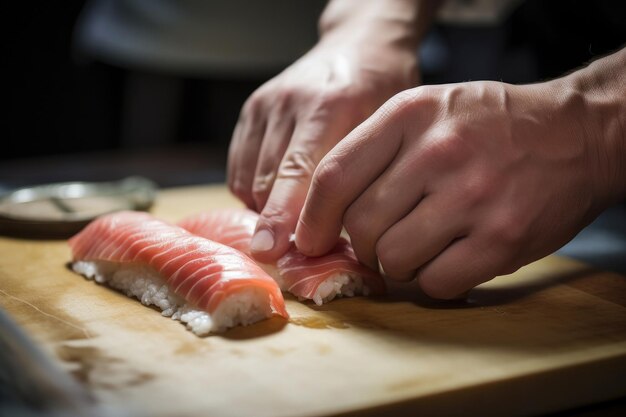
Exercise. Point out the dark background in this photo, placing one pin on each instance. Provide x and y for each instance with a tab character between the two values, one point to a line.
102	121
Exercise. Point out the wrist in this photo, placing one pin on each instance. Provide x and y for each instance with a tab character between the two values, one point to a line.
396	23
595	99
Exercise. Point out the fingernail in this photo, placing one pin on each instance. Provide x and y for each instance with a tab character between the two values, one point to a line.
381	270
262	241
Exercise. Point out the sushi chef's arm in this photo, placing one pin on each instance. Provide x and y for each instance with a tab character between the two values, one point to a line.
455	184
366	54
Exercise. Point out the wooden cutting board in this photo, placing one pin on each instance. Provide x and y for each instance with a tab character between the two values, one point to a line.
549	337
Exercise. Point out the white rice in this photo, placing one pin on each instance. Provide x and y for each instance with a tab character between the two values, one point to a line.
142	282
338	285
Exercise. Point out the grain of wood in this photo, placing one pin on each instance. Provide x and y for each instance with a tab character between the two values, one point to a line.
549	337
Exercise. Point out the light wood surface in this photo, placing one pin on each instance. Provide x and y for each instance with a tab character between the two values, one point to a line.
550	337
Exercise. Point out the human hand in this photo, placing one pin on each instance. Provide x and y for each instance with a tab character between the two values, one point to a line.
455	184
291	122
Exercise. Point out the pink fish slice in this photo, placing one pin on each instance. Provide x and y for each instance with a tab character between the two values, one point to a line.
208	285
338	273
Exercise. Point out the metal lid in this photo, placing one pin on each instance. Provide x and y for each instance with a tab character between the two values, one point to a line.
61	210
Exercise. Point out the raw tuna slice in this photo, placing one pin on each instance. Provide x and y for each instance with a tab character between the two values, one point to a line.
338	273
205	284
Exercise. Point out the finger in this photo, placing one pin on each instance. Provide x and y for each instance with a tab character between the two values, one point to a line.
280	213
465	264
386	202
244	151
275	143
420	236
343	175
232	154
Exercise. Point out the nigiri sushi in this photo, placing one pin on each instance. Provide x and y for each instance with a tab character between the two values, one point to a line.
321	279
207	285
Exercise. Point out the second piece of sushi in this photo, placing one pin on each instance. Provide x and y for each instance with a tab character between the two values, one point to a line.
321	279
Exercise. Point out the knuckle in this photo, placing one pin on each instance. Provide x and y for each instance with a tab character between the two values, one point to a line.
509	231
263	183
448	148
423	96
297	165
399	103
261	188
406	104
283	99
328	178
236	186
333	98
460	131
478	189
240	190
405	97
508	239
327	105
273	215
253	105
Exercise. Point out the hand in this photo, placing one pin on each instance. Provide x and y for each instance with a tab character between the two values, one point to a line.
291	122
455	184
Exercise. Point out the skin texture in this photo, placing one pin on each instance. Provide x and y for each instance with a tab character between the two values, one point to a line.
455	184
450	185
366	54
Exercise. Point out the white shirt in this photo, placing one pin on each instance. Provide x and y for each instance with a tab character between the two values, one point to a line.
199	36
210	37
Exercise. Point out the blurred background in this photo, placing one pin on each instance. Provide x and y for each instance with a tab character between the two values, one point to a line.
102	89
105	88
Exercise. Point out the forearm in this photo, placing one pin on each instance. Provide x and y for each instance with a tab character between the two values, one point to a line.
398	22
602	86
